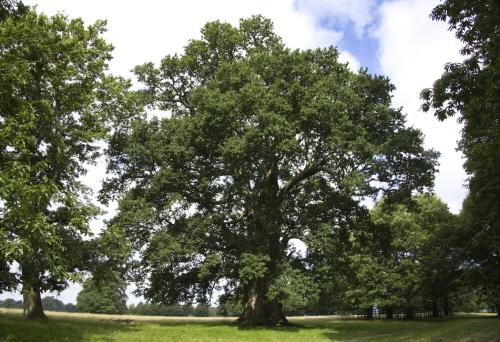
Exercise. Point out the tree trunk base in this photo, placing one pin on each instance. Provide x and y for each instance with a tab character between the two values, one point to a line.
267	314
252	322
33	308
435	310
369	313
409	313
389	313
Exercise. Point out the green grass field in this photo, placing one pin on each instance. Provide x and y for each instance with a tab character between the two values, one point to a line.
86	327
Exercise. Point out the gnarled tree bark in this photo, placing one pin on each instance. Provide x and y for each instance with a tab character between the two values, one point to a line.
33	308
259	310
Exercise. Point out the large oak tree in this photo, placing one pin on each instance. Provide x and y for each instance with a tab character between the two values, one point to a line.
260	145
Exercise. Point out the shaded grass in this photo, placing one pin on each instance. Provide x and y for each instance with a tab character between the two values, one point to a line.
87	327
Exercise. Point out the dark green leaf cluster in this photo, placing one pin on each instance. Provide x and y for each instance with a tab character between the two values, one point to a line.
11	8
405	258
105	297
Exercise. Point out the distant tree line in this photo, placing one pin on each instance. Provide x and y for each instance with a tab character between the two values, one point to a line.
199	310
49	303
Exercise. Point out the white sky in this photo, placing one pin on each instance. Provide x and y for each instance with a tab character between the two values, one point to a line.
411	51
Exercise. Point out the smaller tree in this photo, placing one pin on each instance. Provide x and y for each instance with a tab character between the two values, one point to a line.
53	304
441	255
104	297
55	101
480	247
405	259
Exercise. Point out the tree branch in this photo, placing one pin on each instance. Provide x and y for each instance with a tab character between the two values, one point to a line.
309	170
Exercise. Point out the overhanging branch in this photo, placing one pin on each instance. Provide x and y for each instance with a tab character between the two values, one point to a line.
309	170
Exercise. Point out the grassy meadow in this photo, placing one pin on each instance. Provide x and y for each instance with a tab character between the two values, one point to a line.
88	327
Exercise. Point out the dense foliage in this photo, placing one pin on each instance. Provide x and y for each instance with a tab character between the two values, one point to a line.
471	90
175	310
54	102
261	145
403	258
408	261
12	9
105	297
251	184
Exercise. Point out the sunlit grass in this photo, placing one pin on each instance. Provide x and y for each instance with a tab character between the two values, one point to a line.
88	327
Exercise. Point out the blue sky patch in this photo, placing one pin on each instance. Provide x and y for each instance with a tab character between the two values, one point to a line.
360	43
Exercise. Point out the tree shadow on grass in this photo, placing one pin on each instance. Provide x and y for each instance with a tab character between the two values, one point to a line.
364	330
282	328
231	324
348	332
16	328
382	330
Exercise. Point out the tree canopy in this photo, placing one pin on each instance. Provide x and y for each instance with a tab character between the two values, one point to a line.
11	8
104	297
471	91
260	145
54	101
408	261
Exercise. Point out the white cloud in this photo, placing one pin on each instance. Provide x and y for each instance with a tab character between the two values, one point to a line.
413	50
149	30
346	57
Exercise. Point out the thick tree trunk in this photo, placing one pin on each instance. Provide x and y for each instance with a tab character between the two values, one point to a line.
33	308
410	314
258	309
369	313
446	307
389	313
497	306
435	309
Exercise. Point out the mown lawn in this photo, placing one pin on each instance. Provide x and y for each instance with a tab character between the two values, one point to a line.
77	327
